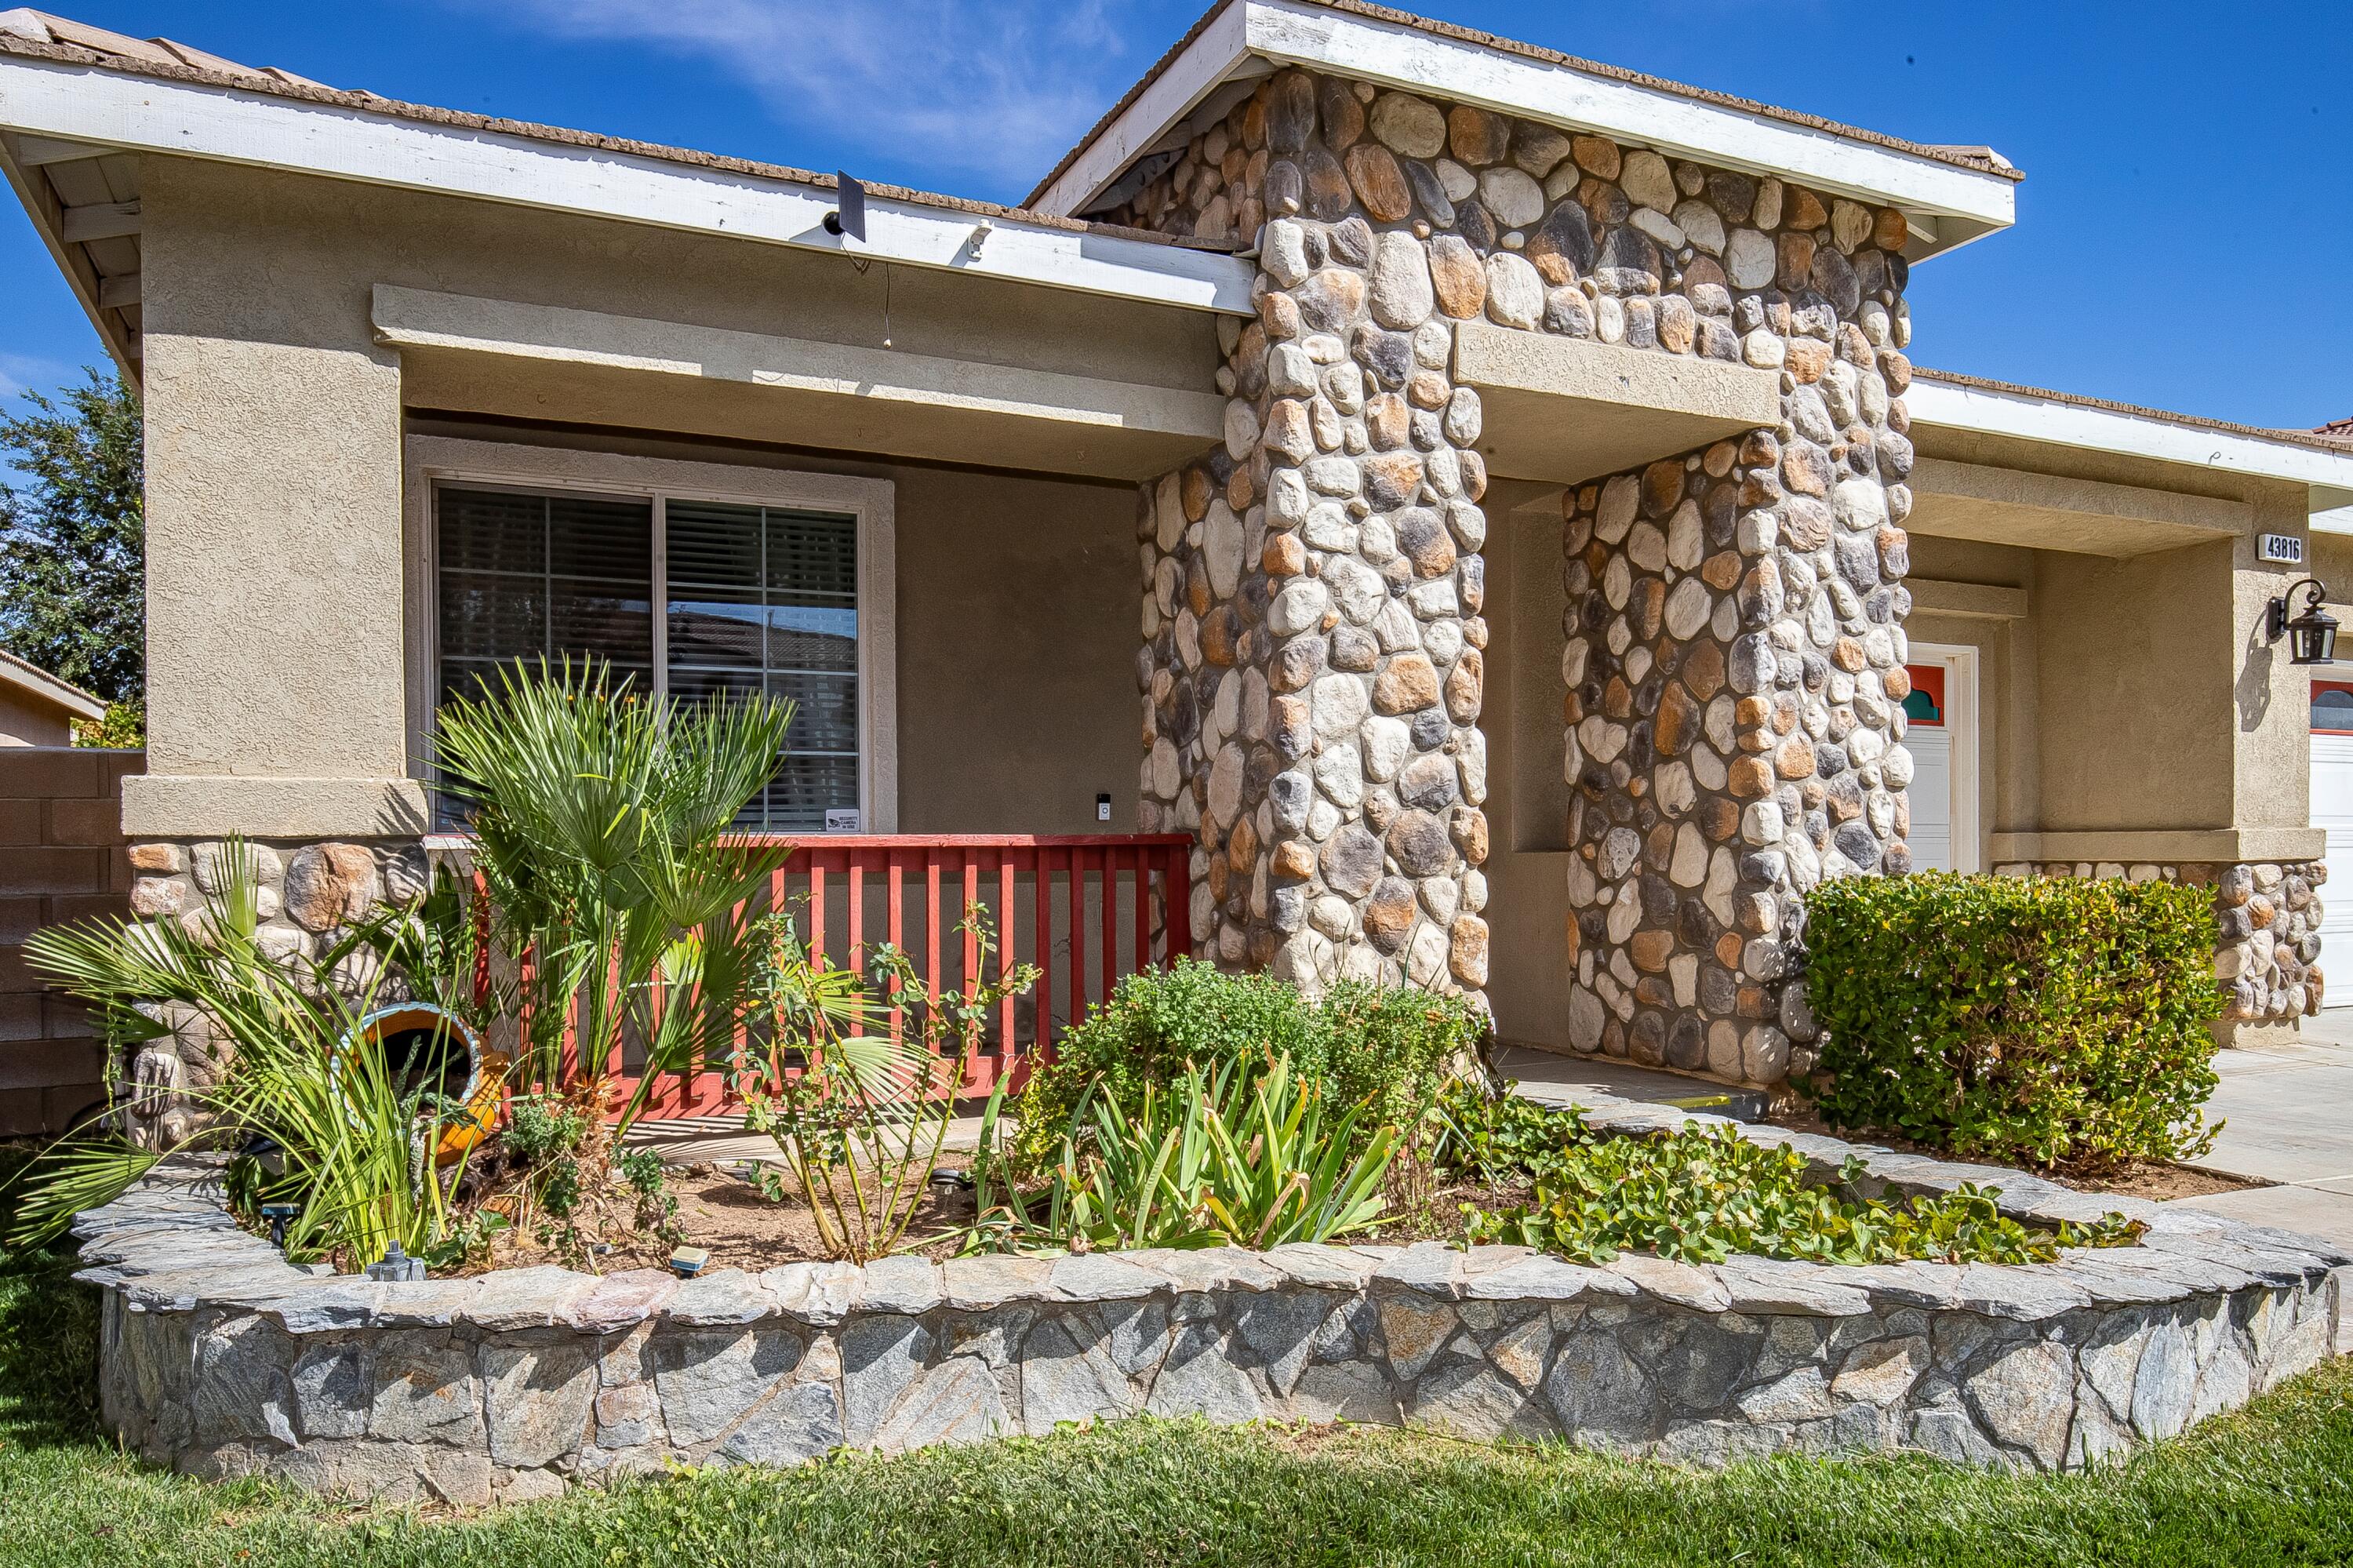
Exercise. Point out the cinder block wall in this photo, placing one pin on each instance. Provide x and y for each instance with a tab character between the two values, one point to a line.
62	857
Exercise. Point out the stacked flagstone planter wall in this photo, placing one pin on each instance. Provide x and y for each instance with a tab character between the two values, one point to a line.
1313	660
219	1359
307	892
2267	919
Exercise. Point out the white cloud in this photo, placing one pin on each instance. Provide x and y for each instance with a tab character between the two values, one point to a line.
999	88
22	373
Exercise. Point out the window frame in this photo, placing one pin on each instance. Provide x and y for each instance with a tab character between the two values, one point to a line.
432	463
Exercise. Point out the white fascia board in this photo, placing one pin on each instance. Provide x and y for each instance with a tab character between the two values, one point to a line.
2023	417
1717	134
39	684
117	111
1287	32
1207	61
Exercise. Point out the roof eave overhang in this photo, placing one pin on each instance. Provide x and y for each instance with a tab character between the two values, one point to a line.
41	206
1947	204
122	110
2025	415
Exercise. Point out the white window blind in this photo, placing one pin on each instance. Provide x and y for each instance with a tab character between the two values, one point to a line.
691	597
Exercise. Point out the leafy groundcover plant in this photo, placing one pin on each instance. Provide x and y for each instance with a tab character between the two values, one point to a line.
2052	1020
1700	1196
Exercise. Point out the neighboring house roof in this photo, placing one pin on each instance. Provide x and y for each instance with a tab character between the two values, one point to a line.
1968	187
1953	401
23	681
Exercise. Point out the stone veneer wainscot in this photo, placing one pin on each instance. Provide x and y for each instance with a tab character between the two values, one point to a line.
2267	927
306	892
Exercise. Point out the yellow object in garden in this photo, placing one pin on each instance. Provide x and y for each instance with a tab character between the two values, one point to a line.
429	1047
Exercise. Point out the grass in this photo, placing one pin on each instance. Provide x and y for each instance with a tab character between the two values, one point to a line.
2272	1485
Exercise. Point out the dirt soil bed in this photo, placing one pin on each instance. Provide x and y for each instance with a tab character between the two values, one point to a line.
726	1215
2153	1179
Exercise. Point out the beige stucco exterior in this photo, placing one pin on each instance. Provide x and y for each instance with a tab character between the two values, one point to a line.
39	709
275	419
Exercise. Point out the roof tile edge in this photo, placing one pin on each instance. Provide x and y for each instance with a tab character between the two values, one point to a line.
278	84
1977	160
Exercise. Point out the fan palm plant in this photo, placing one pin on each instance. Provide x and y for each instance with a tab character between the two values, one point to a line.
354	1140
602	819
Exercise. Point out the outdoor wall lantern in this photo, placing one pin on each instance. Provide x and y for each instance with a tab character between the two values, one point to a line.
2312	636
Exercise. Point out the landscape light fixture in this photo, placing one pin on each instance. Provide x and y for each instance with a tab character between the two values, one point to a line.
2312	636
849	215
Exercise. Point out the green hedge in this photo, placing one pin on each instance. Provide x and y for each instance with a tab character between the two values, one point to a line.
2062	1022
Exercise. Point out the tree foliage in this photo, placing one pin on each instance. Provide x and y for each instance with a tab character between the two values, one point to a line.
73	538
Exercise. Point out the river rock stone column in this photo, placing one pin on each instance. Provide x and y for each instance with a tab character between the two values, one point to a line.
1313	670
1734	651
1765	573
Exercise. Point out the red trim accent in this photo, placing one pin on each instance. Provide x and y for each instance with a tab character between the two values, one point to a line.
2320	686
833	868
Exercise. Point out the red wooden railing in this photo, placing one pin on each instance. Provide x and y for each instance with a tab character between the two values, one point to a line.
1086	909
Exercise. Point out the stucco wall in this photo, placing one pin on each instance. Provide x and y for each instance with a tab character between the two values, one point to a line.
274	424
25	720
1527	906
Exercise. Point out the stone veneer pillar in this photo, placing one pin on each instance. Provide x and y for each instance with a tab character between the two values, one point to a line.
1735	649
1312	668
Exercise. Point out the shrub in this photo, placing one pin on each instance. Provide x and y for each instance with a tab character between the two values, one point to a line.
2059	1022
1388	1045
1702	1194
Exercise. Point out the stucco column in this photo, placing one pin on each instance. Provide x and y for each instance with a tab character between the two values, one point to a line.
277	686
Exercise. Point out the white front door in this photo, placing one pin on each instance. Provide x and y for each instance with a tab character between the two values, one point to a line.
2332	811
1940	731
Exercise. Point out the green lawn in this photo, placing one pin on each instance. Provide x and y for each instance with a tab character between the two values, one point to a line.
2273	1485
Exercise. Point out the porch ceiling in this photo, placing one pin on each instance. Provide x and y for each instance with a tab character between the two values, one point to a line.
1563	410
2046	512
496	356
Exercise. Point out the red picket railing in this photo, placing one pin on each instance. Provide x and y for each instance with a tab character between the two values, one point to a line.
1086	909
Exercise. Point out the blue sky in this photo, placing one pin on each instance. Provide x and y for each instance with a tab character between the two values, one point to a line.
2183	235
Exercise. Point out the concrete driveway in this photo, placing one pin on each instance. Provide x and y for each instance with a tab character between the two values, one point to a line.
2288	1112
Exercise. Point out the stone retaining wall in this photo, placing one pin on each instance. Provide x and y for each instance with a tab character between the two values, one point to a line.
219	1359
2267	918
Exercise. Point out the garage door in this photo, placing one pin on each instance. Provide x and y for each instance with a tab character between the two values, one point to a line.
2332	811
1928	736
